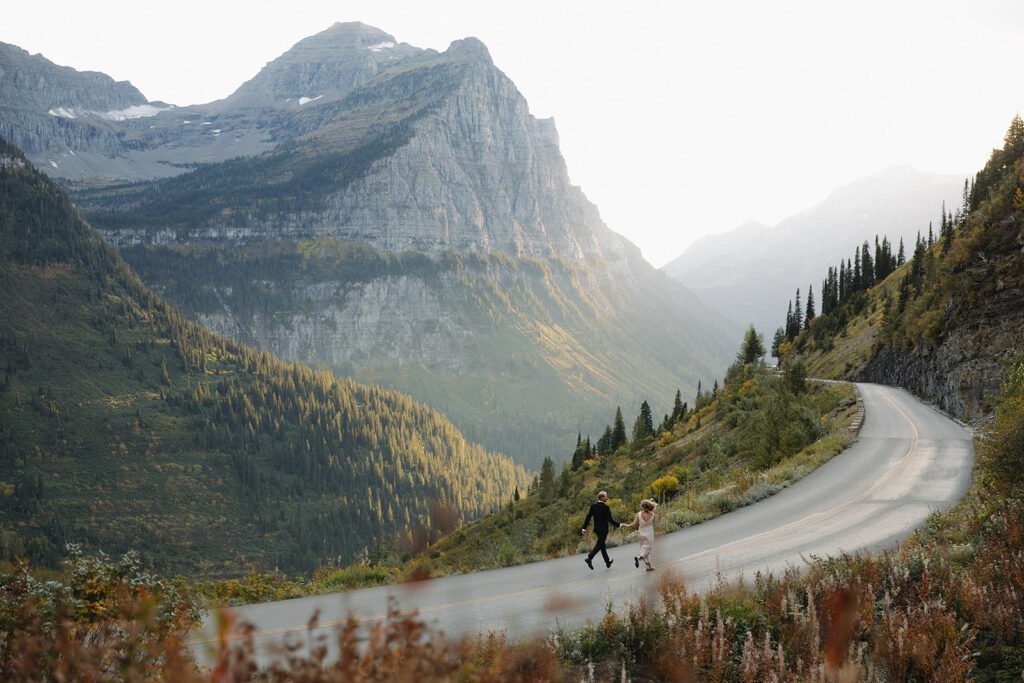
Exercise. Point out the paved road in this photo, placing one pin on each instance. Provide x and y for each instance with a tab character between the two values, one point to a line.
908	461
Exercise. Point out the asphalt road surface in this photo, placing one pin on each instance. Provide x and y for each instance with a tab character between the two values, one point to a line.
908	461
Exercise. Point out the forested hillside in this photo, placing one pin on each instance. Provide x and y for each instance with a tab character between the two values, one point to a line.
126	426
943	323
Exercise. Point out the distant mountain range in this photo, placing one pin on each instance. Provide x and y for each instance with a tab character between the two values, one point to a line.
749	273
393	214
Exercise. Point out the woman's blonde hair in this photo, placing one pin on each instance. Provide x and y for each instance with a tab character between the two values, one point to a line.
648	505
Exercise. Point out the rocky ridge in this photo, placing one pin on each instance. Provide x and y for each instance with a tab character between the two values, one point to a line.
84	129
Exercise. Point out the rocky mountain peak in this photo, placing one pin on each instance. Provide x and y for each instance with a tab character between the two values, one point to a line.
34	83
469	47
325	66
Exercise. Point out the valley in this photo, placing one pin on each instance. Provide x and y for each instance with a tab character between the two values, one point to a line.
321	349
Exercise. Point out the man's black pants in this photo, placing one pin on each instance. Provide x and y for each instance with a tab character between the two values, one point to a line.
599	546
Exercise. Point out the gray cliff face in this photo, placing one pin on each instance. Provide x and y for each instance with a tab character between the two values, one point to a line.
391	318
962	372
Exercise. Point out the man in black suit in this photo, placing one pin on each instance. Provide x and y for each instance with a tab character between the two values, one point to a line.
602	515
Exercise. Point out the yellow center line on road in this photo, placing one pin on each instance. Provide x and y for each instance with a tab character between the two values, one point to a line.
756	539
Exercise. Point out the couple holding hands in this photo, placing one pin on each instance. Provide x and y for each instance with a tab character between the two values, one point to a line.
602	516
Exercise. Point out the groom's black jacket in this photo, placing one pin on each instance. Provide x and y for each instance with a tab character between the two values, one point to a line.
602	515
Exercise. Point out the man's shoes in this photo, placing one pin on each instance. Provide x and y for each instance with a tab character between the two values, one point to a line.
589	563
609	565
636	561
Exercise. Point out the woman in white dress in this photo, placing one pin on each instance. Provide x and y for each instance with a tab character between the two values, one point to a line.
644	521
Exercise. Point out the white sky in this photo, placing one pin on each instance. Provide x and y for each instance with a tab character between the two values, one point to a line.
678	119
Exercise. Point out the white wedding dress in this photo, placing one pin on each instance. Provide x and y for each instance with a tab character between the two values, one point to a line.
645	531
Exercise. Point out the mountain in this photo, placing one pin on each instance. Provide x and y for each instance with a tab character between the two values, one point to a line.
85	129
326	66
944	324
127	427
414	227
746	273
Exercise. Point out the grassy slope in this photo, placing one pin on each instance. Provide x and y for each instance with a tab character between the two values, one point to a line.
710	454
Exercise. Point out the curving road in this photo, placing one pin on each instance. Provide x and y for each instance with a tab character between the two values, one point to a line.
908	461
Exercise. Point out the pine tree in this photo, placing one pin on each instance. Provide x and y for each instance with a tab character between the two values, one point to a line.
857	279
618	431
578	455
810	308
643	428
515	496
1013	143
867	268
777	341
946	232
931	235
752	349
798	319
790	331
901	256
666	424
546	484
645	415
678	407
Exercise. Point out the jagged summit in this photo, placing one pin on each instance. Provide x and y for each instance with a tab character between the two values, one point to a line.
34	83
325	66
469	46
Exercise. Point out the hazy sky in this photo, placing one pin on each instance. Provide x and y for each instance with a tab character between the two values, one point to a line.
677	118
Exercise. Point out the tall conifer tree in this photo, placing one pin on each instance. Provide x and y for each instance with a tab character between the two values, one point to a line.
618	431
678	408
867	268
810	308
856	284
798	319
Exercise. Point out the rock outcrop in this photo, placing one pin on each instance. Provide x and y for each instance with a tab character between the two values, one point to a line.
963	371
